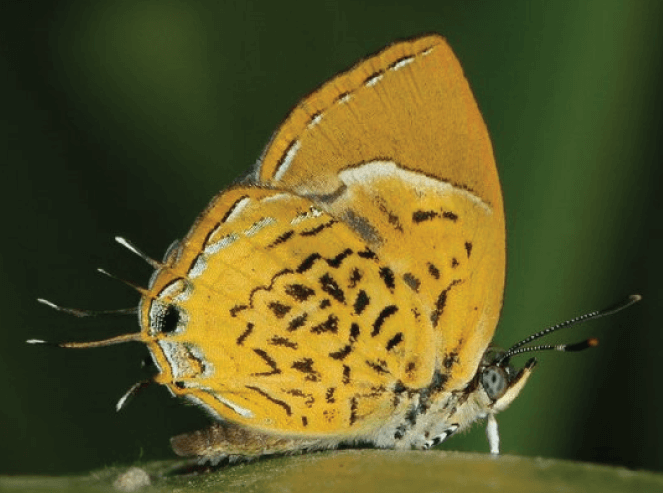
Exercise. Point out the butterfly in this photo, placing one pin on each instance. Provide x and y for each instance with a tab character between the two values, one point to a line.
349	289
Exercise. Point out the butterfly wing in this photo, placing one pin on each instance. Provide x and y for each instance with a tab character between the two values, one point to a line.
397	149
276	315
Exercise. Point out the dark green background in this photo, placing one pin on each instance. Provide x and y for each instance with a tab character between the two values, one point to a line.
127	117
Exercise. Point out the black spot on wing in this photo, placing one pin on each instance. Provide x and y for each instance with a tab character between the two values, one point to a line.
299	292
361	302
341	354
270	362
354	404
279	309
384	314
450	216
309	399
441	302
433	271
367	254
354	332
355	277
297	322
421	216
331	287
378	366
411	281
468	248
284	405
318	229
329	325
387	276
281	239
308	262
346	374
305	366
338	260
236	309
249	328
394	341
283	342
329	395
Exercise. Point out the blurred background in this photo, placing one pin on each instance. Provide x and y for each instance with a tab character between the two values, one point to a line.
126	118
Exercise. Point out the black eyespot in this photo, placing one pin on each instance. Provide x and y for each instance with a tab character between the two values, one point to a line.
494	381
168	321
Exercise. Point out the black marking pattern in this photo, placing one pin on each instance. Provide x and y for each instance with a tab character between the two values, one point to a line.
412	282
355	277
329	325
468	248
308	262
386	312
378	366
346	374
347	349
421	216
284	405
441	302
318	229
282	239
299	292
305	366
387	276
394	341
433	271
329	395
270	362
279	309
245	334
341	354
309	399
236	309
361	302
331	287
283	342
297	322
338	260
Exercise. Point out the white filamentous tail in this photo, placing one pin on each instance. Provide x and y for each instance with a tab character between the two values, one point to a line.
493	435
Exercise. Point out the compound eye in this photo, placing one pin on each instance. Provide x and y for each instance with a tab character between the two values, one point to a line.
494	381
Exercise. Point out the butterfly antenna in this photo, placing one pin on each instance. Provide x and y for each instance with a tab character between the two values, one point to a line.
592	342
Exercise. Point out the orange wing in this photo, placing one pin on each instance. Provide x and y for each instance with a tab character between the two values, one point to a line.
397	148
